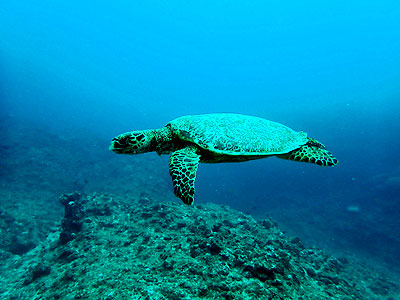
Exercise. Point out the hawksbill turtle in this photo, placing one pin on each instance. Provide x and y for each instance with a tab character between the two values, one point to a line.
217	138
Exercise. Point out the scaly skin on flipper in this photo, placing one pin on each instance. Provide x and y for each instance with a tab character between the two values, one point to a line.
312	152
183	165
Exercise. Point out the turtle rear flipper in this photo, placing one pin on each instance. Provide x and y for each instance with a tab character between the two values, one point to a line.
312	152
183	165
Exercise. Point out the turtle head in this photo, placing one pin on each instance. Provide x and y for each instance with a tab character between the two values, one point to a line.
134	142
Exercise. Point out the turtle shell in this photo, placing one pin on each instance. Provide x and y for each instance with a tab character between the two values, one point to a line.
235	134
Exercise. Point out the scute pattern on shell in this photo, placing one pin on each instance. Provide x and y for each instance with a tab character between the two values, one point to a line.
236	134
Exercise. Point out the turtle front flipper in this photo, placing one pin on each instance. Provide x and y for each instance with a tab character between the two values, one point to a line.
182	168
312	152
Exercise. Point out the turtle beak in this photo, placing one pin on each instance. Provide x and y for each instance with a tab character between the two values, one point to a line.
115	146
112	146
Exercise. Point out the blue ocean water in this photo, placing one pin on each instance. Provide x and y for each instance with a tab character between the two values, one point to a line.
330	69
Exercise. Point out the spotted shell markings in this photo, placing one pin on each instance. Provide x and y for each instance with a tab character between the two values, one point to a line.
235	134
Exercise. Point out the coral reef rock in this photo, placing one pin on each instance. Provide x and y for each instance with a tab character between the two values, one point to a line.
108	249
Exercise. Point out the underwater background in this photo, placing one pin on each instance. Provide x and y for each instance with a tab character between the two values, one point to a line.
75	74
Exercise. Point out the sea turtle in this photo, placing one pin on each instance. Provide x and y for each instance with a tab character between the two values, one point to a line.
216	138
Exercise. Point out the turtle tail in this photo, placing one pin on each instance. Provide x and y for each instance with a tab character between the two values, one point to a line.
312	152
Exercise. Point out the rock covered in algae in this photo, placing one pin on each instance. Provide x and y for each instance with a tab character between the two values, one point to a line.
74	213
171	251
